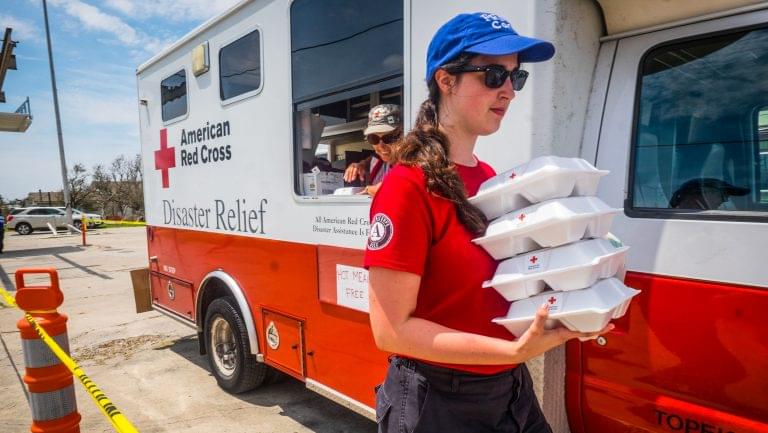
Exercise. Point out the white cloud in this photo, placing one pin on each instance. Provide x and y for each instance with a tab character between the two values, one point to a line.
126	7
97	108
93	18
176	10
22	30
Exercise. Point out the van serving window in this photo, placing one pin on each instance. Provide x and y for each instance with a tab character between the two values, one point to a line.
346	57
701	137
337	44
173	94
240	66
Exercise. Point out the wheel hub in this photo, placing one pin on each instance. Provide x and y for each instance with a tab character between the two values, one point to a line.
223	346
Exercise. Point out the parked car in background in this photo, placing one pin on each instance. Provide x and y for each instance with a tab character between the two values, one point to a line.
94	219
27	220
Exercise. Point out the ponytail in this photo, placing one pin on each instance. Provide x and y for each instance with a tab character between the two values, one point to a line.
427	147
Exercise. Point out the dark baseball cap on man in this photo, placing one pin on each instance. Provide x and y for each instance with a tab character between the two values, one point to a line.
383	118
483	33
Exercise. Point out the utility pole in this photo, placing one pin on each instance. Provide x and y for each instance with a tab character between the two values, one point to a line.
63	160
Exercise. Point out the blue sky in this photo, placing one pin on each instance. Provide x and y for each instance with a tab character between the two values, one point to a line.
97	46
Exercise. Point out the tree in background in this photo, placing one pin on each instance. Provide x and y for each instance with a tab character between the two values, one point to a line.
80	190
101	185
114	190
118	187
135	186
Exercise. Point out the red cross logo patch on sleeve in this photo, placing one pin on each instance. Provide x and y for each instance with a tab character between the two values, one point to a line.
165	158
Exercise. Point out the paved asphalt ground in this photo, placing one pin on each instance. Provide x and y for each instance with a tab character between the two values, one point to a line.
147	364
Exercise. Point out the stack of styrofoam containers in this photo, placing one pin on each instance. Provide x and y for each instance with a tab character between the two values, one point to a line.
553	234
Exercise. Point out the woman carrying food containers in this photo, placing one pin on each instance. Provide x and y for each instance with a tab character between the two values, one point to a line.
454	370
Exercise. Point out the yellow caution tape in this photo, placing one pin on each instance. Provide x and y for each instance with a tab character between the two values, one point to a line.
8	298
118	420
125	223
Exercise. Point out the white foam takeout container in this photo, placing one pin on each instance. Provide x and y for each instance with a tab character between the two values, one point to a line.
548	224
540	179
569	267
348	190
585	310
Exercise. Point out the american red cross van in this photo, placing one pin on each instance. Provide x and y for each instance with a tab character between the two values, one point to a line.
248	122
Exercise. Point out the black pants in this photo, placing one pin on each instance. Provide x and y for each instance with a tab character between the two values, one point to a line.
421	398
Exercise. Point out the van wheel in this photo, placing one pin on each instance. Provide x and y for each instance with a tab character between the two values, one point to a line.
23	229
229	352
78	225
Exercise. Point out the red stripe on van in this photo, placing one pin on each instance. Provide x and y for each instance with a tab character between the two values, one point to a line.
689	356
278	276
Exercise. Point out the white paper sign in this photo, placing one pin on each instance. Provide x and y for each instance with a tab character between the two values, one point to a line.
352	287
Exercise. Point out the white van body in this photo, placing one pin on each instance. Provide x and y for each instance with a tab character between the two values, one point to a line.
230	212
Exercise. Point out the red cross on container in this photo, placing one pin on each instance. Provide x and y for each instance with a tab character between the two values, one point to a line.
165	158
513	175
551	299
521	217
534	259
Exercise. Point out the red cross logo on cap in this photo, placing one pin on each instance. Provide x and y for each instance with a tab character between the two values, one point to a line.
534	259
165	158
551	299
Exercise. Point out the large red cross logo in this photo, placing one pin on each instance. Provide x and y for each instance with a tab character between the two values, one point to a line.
521	217
534	259
552	300
165	158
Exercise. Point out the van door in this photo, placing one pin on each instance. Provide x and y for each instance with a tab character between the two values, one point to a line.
683	133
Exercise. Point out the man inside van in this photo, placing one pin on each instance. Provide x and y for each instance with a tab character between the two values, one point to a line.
704	193
384	129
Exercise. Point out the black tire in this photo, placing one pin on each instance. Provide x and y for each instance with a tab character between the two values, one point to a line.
78	224
235	368
23	229
274	376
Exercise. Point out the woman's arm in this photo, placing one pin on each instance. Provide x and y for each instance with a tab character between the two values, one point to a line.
393	297
357	170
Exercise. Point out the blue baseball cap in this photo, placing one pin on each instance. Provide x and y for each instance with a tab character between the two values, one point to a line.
483	33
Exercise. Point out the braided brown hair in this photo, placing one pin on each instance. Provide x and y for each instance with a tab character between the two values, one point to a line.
427	147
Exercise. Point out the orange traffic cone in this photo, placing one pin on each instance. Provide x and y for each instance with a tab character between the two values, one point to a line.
51	387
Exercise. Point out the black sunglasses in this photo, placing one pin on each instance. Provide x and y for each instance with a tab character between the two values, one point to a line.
386	139
496	75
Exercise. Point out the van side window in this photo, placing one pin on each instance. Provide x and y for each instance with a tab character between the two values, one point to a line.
173	95
701	137
346	57
240	66
762	133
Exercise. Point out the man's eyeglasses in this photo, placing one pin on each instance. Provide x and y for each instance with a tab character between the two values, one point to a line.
386	139
496	75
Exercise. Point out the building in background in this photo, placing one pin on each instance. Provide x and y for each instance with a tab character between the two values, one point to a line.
21	119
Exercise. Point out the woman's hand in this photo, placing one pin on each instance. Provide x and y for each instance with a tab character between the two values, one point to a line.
371	189
354	172
537	340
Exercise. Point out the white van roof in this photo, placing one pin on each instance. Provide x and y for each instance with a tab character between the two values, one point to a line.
623	17
196	31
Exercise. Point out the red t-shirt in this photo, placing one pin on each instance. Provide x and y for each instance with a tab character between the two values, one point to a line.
418	232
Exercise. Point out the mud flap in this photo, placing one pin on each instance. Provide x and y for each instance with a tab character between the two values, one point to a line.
141	291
